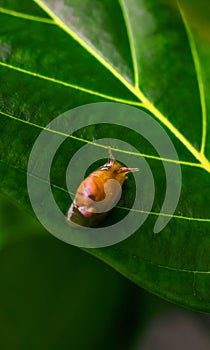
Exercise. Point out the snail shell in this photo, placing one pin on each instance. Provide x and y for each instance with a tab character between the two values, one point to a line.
98	193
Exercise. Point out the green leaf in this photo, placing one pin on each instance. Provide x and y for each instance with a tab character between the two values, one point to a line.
58	55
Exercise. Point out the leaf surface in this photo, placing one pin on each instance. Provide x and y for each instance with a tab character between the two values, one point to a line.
58	55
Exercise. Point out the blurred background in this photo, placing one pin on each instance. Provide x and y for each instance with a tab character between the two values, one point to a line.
54	296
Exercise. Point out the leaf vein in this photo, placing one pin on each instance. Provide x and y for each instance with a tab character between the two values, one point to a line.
99	145
198	72
119	207
76	87
131	42
137	92
171	268
26	16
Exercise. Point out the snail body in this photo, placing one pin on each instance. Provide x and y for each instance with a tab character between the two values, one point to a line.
98	193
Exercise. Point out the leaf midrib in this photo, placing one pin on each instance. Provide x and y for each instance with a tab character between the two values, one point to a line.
136	91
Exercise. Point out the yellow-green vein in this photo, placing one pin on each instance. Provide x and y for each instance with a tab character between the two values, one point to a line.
166	215
118	249
131	42
76	87
85	45
180	217
199	78
137	92
26	16
101	146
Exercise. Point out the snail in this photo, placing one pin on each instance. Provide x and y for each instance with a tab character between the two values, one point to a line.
98	193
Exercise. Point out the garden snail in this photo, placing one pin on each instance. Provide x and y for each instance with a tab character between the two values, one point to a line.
98	193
